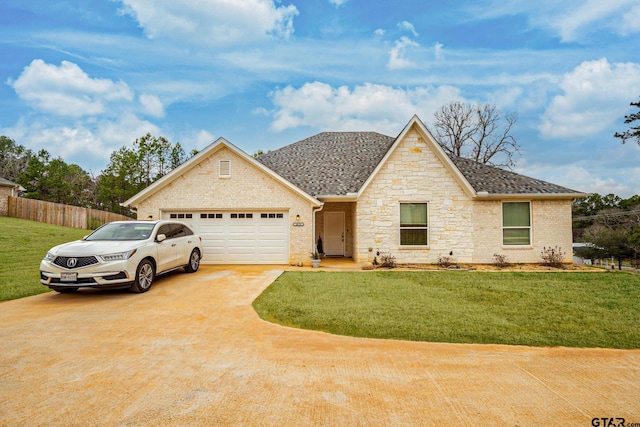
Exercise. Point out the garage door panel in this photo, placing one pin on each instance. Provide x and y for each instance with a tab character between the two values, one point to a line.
258	237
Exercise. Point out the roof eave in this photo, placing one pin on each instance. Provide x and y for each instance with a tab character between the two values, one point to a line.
349	197
483	195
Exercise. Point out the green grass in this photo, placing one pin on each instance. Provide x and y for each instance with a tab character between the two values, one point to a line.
23	244
540	309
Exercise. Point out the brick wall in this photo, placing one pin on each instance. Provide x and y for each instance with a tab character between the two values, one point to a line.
5	192
551	226
247	188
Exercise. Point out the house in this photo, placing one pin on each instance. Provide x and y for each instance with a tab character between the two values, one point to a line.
8	189
361	193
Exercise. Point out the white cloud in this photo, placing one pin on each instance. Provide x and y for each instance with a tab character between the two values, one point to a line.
596	94
379	32
338	3
67	90
397	55
152	105
590	13
123	130
366	107
198	139
88	143
505	98
572	20
631	20
408	26
214	22
438	51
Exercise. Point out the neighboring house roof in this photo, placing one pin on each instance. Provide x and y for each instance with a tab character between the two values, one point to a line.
341	163
7	183
329	163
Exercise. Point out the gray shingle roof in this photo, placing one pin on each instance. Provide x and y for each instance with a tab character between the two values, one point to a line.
334	163
338	163
7	183
494	180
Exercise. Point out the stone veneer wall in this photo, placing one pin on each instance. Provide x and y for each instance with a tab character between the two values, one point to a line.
413	173
247	188
471	229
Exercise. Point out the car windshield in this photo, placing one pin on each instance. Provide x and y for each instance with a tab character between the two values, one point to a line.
122	231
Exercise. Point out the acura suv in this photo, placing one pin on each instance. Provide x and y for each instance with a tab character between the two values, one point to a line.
122	254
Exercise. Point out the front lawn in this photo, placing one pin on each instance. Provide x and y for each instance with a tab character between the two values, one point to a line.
540	309
23	244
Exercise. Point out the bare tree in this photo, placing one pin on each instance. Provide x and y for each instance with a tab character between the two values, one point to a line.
478	132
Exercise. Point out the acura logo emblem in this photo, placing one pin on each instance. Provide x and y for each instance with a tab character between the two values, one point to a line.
72	262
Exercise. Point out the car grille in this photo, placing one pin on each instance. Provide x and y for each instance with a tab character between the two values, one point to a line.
82	261
85	280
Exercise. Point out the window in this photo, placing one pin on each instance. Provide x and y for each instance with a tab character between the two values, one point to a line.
516	223
225	168
241	215
210	215
172	231
180	216
413	224
272	215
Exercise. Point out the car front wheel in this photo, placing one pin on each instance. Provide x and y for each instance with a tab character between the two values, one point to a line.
144	277
194	262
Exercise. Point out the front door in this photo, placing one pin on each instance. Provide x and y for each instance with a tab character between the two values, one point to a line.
334	233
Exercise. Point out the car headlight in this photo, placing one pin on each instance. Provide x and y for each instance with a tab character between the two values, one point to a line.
49	257
121	256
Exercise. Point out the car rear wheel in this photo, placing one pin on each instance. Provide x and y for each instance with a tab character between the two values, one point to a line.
64	289
194	262
144	277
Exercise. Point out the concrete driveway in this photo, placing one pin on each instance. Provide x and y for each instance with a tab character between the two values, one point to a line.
192	351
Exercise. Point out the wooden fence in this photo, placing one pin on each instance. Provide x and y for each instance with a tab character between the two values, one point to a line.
59	214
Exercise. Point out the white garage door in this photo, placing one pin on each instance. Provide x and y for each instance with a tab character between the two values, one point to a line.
240	237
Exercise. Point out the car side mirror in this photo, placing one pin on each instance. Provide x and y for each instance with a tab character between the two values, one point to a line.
160	238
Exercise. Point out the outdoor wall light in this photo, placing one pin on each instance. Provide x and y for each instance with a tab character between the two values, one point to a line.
297	218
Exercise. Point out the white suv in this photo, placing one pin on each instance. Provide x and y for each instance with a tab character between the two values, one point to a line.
122	254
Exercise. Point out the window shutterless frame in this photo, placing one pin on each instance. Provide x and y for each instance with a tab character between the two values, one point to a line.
516	223
414	224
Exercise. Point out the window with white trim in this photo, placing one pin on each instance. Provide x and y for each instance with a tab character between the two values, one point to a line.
225	168
414	230
516	223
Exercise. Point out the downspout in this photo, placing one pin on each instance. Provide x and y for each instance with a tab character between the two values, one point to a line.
313	226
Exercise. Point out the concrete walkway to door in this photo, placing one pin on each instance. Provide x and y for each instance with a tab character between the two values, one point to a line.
192	351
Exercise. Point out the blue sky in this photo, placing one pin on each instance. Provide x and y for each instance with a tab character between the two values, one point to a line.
82	78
